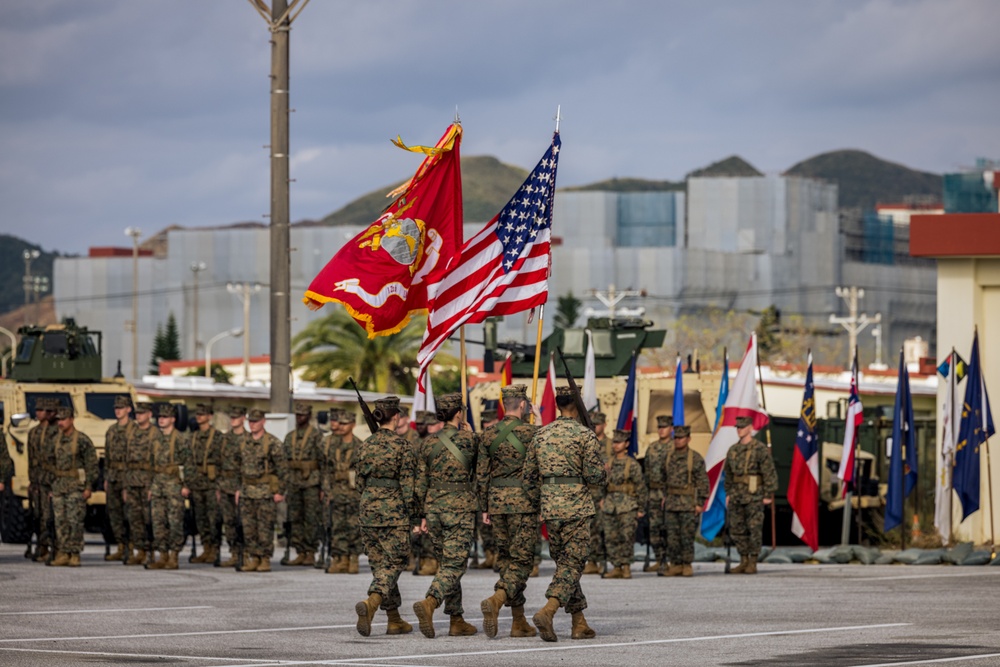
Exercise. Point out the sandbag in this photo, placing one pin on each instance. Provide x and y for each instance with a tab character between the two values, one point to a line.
977	558
908	557
778	557
957	554
930	557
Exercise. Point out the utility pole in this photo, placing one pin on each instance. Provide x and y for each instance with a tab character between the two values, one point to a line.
28	255
135	233
244	291
196	268
279	19
612	297
854	323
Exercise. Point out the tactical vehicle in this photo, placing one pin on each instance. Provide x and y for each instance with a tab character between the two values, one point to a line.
60	361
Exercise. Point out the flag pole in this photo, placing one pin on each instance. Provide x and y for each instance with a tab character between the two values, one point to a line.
989	471
538	355
462	363
856	446
763	404
952	371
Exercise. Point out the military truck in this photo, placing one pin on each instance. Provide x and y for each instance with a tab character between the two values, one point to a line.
60	361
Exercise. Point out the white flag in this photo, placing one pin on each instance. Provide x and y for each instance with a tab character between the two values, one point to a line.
423	399
590	376
949	437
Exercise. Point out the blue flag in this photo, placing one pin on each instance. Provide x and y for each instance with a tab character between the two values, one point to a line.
629	412
679	395
976	427
714	517
903	456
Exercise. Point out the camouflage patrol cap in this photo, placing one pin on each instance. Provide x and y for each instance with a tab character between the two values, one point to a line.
203	409
64	412
420	417
167	410
143	407
431	419
488	415
664	421
237	411
450	401
597	417
743	422
388	405
565	392
123	402
344	416
621	435
44	403
514	391
682	432
303	408
255	415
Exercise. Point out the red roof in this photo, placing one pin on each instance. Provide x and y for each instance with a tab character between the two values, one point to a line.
955	235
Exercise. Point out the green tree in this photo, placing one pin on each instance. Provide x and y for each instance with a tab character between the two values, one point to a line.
172	340
567	311
219	374
768	331
331	349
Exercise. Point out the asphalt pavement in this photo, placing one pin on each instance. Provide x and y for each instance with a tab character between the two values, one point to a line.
787	615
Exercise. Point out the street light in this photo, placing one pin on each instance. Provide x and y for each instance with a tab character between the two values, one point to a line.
135	233
244	291
28	285
196	268
235	333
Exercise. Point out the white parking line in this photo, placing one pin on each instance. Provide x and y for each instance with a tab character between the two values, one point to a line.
975	573
958	658
160	656
99	611
570	647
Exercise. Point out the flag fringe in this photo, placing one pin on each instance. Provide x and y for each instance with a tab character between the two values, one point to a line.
315	301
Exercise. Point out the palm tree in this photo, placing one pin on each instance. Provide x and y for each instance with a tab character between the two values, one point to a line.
331	349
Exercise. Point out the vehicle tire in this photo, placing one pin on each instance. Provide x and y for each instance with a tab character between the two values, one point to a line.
15	524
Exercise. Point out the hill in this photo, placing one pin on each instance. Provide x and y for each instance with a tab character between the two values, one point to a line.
629	185
733	165
12	269
487	185
866	180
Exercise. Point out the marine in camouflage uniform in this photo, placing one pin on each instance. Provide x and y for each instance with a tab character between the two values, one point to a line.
624	503
598	552
115	450
750	483
385	466
446	499
171	452
206	446
419	551
40	442
484	531
342	498
72	450
562	459
510	507
227	480
6	465
138	477
263	470
656	454
304	449
685	492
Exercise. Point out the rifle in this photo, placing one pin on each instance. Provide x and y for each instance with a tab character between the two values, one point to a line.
32	517
649	533
577	398
369	417
150	537
324	552
50	524
240	538
218	537
286	527
728	540
128	530
191	524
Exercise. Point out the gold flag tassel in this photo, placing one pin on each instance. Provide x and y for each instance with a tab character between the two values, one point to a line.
446	143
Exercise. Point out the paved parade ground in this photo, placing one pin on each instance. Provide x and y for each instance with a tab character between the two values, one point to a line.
819	615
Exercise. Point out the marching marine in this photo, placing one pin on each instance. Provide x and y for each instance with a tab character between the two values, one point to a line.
72	451
750	483
685	492
598	551
623	505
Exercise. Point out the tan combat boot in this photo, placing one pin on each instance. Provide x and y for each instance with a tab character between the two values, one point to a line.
751	567
138	558
171	561
352	564
428	568
491	607
43	554
425	615
591	568
674	571
615	573
543	620
117	555
739	569
200	558
519	626
309	559
489	560
627	571
397	626
232	559
688	571
334	565
366	611
265	564
459	628
251	564
662	570
74	560
652	567
61	559
157	563
300	559
580	628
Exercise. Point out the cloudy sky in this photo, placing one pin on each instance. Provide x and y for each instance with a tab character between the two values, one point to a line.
124	112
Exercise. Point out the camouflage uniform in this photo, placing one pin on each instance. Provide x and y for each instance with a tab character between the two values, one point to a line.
626	496
41	439
343	497
227	480
206	446
445	497
748	466
686	488
138	477
304	449
71	452
512	507
169	453
420	544
115	452
263	472
484	531
562	459
6	463
385	466
598	548
656	454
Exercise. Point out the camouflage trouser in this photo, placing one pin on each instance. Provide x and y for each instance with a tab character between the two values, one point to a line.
206	509
116	511
40	512
681	529
227	507
746	525
453	532
306	516
138	516
386	547
516	536
258	525
598	554
569	540
657	526
619	537
168	516
345	533
68	510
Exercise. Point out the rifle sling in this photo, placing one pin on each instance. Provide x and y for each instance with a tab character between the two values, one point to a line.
446	440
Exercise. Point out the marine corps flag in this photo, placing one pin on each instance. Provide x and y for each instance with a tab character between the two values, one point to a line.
381	275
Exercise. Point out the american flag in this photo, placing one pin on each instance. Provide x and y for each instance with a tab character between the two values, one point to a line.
855	417
502	270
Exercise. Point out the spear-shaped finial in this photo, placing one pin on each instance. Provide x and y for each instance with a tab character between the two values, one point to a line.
558	109
458	121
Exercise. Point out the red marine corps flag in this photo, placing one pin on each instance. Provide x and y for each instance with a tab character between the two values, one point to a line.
381	275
